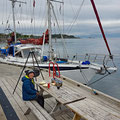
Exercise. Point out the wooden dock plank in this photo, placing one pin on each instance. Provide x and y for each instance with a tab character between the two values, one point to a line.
20	101
93	110
102	98
15	106
16	102
2	115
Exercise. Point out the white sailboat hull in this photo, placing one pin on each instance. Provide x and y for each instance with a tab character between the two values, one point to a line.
69	70
83	72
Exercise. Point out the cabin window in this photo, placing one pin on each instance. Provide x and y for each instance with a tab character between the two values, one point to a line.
26	52
36	51
18	54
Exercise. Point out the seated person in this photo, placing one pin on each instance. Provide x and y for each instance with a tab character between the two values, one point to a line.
28	89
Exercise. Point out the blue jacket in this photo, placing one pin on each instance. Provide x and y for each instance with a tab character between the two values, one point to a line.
28	89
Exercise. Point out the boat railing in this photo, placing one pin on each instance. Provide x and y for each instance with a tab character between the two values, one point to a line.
95	58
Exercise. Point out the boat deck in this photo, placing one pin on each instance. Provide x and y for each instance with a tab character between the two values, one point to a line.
9	75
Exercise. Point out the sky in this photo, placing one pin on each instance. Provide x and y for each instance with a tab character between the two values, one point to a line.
74	17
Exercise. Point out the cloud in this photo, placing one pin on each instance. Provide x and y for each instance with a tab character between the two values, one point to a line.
85	22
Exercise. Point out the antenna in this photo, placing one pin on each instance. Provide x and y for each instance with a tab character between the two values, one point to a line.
13	6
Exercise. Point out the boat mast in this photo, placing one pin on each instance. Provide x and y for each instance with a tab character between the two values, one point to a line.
49	29
14	26
101	28
49	26
13	6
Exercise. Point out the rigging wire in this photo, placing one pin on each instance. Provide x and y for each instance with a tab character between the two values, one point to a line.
27	17
56	46
60	15
33	19
21	16
43	17
86	80
16	17
31	27
40	15
76	17
7	19
109	73
2	23
3	12
65	50
106	73
72	7
63	15
83	75
57	13
6	10
59	10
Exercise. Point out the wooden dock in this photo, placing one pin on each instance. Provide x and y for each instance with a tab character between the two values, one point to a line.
9	75
2	115
106	107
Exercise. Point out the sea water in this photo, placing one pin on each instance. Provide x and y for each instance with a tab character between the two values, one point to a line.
110	84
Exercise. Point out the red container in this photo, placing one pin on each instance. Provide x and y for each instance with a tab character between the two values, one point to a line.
48	85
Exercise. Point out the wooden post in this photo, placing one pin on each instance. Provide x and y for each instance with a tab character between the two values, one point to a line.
76	117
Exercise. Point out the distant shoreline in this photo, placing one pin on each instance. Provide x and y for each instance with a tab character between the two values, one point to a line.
3	36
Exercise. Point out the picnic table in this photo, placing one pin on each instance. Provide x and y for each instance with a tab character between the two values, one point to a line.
91	110
81	104
65	95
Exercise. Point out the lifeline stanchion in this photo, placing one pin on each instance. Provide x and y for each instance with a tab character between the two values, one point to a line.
33	55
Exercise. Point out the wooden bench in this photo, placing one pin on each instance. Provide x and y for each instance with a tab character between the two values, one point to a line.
39	112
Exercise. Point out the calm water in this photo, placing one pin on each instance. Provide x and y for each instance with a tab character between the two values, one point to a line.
110	84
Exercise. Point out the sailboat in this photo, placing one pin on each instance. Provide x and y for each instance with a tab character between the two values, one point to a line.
36	41
16	54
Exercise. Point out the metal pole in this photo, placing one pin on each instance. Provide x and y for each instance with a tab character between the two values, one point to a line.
21	72
38	65
13	6
49	29
101	28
